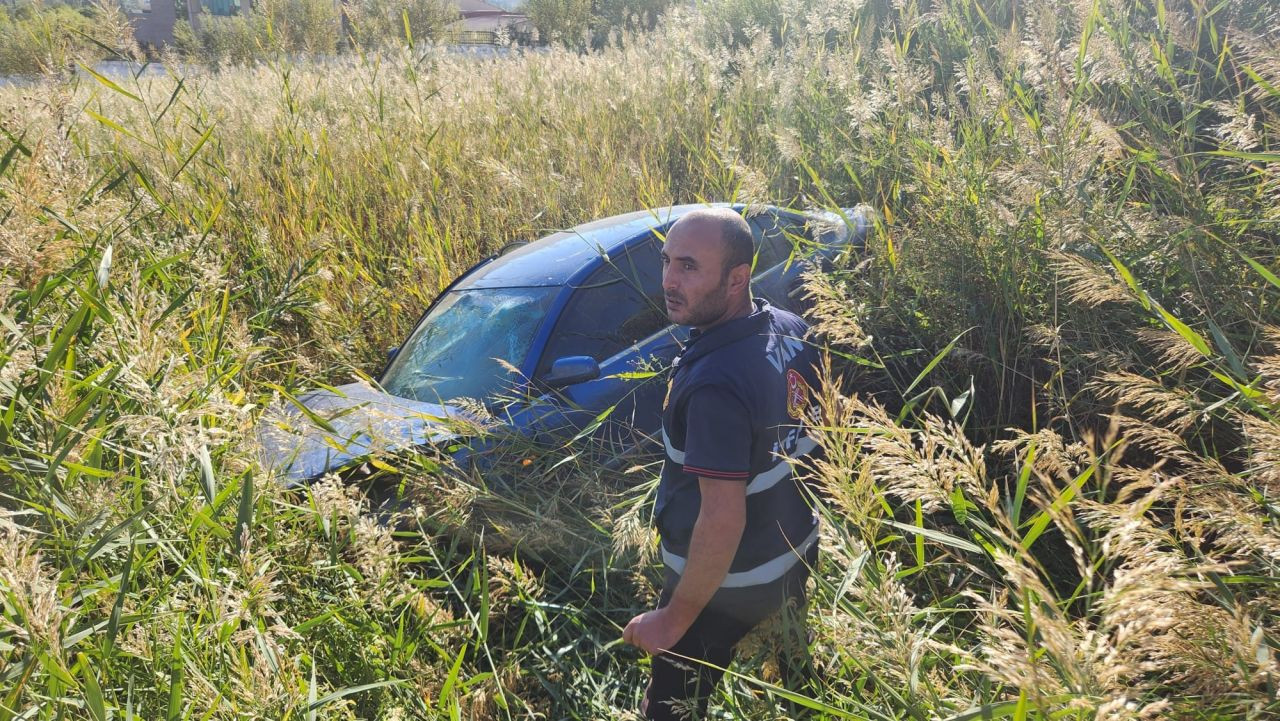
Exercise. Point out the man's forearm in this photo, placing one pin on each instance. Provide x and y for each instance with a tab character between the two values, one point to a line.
714	543
721	519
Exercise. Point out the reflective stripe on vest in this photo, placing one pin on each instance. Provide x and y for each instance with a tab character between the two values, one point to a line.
676	456
761	481
766	572
768	479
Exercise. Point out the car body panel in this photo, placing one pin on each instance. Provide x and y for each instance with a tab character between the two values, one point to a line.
566	256
362	420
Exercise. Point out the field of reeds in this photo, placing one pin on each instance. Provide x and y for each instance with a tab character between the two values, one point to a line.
1052	415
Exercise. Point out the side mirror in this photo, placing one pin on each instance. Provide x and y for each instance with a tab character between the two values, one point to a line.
572	369
392	352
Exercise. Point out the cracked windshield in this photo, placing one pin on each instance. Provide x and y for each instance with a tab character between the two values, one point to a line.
456	351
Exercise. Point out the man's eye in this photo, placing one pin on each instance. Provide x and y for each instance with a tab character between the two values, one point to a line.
688	266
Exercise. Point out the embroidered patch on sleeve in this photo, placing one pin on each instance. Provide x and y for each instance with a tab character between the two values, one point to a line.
797	394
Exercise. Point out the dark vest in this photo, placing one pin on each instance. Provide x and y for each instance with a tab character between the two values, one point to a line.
736	406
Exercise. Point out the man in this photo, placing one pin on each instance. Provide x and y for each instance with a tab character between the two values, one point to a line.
737	533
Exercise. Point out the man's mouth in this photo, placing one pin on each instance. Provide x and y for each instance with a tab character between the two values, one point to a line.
673	301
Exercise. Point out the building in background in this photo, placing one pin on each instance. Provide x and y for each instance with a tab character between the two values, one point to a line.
153	20
483	22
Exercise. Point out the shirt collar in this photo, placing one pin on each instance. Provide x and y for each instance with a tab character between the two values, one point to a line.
701	343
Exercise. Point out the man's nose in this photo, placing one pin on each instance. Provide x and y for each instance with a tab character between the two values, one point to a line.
668	280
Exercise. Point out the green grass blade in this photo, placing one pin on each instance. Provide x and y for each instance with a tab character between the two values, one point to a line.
1041	520
208	482
919	544
1261	270
863	712
9	154
177	677
933	362
93	697
204	138
1195	339
310	414
1024	477
345	692
1261	81
1127	276
244	518
105	539
108	122
945	539
113	622
61	342
11	699
108	82
1242	155
1001	709
451	679
1234	361
17	141
311	692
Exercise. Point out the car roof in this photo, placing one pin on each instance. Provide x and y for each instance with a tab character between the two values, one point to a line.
555	259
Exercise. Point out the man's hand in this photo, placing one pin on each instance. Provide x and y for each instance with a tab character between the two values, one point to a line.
655	631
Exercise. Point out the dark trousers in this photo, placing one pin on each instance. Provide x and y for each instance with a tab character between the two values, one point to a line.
682	680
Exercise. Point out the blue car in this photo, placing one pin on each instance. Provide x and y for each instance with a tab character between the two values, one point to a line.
568	332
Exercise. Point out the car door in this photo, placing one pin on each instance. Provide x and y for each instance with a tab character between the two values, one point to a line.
616	306
618	317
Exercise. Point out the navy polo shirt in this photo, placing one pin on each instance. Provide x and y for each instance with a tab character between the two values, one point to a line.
736	407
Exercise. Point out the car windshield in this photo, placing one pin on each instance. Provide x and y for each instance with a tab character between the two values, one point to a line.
456	351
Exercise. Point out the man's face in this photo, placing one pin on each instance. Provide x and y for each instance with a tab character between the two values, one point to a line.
694	281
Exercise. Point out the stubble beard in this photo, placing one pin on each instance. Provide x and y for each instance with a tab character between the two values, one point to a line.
710	309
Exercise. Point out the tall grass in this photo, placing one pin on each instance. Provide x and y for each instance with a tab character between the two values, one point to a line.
312	28
39	37
1050	488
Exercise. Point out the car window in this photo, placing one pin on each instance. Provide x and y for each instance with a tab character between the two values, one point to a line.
618	305
773	245
460	349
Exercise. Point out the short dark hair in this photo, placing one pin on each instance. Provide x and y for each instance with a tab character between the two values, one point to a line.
739	245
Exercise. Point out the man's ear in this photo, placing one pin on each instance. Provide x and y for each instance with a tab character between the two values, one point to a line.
739	277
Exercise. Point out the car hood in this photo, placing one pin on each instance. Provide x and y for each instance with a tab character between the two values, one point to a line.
361	421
